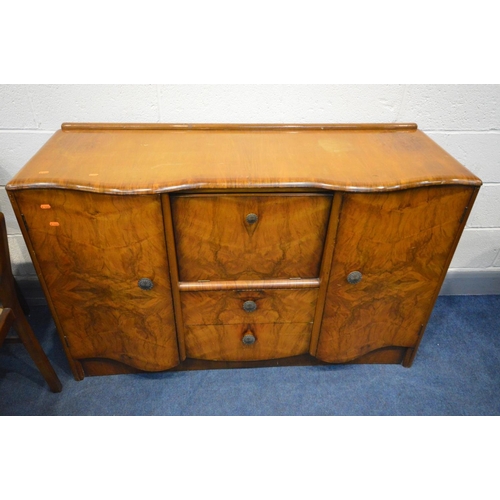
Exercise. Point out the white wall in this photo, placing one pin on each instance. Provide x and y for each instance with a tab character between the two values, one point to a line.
463	119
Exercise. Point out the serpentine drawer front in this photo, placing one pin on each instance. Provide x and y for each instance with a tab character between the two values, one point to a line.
221	237
198	246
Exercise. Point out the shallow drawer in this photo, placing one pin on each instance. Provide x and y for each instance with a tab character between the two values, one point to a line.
228	237
243	306
227	342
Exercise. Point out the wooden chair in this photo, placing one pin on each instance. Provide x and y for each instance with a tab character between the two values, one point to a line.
12	315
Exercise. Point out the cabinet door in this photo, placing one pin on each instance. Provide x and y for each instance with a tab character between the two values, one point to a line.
92	250
401	244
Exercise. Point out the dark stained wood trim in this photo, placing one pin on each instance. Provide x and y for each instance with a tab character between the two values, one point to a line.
174	273
326	265
385	355
70	126
196	286
254	194
207	187
282	191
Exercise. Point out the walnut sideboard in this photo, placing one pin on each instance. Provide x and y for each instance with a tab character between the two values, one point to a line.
199	246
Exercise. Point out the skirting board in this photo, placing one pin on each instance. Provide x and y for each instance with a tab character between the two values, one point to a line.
457	282
472	282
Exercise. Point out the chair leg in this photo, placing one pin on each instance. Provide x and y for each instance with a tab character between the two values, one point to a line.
20	297
6	320
36	352
10	300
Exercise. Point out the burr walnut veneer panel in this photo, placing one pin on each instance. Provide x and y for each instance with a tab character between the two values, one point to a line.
215	240
91	251
203	246
223	342
227	307
400	242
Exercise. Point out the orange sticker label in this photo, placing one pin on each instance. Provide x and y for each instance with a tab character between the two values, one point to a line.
45	206
53	223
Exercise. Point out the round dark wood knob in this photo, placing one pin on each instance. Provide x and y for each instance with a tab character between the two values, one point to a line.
251	218
354	277
145	284
248	339
249	306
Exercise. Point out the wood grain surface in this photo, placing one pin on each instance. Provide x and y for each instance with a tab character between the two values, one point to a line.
156	161
401	244
224	342
91	261
215	242
104	205
226	307
326	264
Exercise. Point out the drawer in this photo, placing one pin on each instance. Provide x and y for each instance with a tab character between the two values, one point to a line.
246	237
225	342
243	306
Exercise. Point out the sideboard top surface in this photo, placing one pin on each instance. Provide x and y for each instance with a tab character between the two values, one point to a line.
157	158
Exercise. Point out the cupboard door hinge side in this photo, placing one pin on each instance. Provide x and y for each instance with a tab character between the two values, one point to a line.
24	222
464	213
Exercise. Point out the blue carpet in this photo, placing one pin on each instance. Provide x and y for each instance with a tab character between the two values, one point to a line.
456	372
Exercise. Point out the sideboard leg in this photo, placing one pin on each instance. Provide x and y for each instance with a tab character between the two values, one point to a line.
411	352
409	357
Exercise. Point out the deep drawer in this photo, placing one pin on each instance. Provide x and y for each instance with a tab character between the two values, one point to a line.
231	237
243	306
226	342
